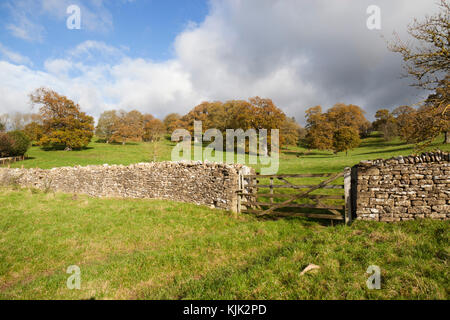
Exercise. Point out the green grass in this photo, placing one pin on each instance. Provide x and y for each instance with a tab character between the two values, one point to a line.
151	249
292	160
154	249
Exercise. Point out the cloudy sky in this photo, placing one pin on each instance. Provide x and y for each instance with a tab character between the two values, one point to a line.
160	56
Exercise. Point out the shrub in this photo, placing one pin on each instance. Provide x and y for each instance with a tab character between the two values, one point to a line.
6	143
21	143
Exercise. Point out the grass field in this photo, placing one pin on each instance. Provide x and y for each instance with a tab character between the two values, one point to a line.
153	249
292	160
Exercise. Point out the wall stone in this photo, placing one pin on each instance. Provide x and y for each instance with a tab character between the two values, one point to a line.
404	188
210	184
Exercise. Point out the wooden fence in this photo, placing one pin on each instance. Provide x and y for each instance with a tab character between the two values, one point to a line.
8	160
285	204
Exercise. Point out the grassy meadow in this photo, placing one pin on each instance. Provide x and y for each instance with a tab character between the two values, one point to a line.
154	249
292	159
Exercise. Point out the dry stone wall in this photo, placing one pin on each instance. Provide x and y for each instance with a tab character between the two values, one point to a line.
404	188
210	184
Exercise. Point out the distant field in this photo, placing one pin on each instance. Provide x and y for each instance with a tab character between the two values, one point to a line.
154	249
292	160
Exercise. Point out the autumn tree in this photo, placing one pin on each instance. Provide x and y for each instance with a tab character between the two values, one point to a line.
320	131
128	127
172	122
64	125
381	117
405	117
268	116
386	124
290	131
345	138
438	105
2	127
322	127
343	115
34	131
238	115
427	61
154	129
105	126
211	114
428	124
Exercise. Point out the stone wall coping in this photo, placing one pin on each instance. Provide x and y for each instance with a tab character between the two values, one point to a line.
425	157
144	165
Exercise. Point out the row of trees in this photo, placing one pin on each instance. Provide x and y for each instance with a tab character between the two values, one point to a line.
17	121
257	113
121	126
412	125
61	124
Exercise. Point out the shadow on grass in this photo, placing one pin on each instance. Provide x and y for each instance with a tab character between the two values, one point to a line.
62	149
307	154
380	152
307	221
382	144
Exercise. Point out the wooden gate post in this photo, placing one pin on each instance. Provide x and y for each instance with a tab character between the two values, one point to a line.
271	190
347	190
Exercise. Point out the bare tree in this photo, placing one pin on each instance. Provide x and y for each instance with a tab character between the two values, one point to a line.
427	61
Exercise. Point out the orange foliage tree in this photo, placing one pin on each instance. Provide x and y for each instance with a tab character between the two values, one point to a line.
64	125
154	129
129	126
172	122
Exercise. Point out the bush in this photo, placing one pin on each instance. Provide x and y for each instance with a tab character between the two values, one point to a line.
21	143
6	143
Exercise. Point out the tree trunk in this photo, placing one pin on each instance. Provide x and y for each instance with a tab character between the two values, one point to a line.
447	137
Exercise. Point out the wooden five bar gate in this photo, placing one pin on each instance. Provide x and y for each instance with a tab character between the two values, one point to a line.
254	197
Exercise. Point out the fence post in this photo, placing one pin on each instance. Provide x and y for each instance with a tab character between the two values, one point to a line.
271	190
347	190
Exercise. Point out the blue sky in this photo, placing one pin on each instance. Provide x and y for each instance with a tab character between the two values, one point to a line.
147	28
163	56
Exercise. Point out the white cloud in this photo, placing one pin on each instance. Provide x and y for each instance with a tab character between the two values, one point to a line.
14	57
298	53
58	66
